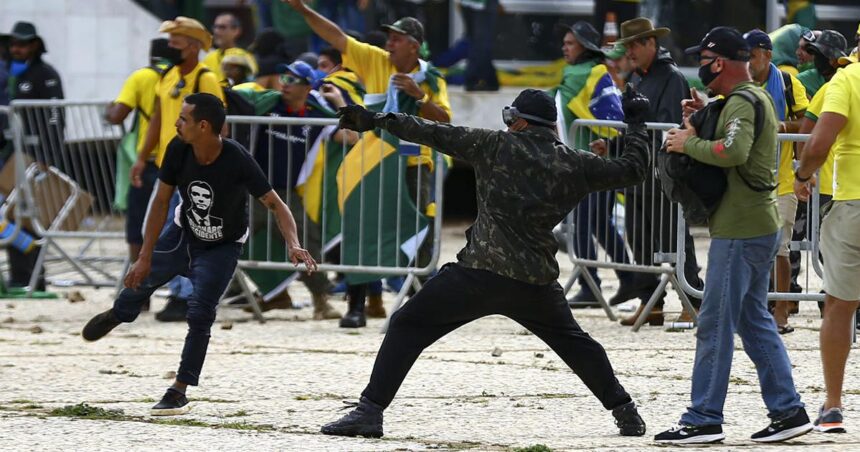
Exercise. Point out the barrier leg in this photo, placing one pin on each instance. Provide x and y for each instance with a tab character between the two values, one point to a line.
240	277
661	288
409	282
595	289
685	300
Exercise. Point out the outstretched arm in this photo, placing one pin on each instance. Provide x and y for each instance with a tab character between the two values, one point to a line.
628	169
287	226
461	142
324	28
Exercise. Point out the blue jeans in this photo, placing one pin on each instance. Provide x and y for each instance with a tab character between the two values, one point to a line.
735	300
180	286
593	221
210	270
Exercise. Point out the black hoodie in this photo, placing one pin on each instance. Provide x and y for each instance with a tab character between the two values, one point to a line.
665	86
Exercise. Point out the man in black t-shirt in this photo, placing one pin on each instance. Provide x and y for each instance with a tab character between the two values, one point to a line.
214	177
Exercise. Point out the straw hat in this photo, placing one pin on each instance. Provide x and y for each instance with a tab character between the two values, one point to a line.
187	26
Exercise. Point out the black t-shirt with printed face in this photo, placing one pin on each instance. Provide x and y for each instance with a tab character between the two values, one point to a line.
214	196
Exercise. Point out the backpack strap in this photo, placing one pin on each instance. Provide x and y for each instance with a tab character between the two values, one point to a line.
758	122
197	80
789	93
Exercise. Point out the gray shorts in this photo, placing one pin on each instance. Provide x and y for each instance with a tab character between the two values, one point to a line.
840	247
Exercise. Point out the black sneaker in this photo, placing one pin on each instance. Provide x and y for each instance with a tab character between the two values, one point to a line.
628	420
172	404
691	434
99	326
784	429
365	420
829	421
353	320
174	311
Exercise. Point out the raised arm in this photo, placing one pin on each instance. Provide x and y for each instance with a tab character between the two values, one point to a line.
287	226
461	142
324	28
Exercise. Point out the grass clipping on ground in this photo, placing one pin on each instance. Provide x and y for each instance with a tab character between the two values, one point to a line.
85	411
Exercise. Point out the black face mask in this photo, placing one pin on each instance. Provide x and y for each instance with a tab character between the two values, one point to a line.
174	56
705	74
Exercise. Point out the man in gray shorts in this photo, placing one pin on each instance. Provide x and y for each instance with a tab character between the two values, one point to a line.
837	131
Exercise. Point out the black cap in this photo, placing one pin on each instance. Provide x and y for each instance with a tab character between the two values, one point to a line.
269	65
408	26
585	34
535	102
829	43
26	31
724	41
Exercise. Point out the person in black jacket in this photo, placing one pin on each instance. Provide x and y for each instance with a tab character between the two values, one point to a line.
527	181
650	219
32	78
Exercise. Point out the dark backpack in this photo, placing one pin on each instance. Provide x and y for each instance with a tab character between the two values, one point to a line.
697	186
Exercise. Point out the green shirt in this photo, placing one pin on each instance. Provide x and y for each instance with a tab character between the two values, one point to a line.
811	80
743	212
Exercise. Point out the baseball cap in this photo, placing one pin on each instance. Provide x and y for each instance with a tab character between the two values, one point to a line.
830	43
409	26
535	102
300	69
851	58
757	39
724	41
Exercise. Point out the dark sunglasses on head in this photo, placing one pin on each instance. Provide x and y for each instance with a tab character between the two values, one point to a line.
808	35
287	79
174	93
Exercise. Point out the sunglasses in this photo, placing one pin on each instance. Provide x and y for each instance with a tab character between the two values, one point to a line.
174	93
287	79
808	35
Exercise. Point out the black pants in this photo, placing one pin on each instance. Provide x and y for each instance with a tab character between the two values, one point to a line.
459	295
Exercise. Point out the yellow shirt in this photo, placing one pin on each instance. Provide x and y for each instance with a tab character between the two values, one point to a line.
373	66
249	85
171	100
825	175
785	174
788	68
138	92
212	60
843	98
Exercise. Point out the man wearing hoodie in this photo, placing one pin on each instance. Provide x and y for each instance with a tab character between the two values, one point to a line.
650	229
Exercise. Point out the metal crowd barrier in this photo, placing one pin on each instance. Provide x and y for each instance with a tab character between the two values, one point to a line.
68	152
808	245
597	226
636	235
414	241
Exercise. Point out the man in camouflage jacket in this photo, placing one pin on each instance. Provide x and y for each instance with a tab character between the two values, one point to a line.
527	181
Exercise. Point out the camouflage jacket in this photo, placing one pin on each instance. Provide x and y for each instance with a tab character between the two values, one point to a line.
526	183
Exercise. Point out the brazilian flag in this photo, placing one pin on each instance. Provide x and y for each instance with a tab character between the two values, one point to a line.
587	92
382	226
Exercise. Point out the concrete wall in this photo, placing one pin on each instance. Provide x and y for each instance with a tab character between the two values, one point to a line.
93	44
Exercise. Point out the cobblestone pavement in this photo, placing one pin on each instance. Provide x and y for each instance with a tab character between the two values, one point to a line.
487	386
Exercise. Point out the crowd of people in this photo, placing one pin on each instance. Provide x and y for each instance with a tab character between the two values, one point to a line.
790	80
